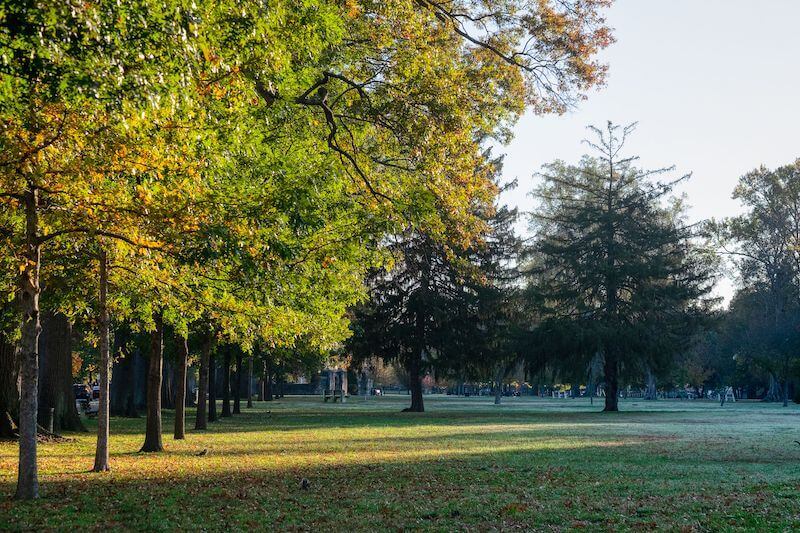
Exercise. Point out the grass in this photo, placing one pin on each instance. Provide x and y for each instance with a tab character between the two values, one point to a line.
465	464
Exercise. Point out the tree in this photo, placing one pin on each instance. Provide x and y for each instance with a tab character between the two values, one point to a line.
101	452
765	245
613	269
391	97
493	339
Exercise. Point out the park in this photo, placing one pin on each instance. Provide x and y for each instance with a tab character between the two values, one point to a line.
359	265
465	464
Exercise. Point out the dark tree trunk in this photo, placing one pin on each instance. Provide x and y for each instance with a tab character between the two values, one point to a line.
29	289
123	386
201	420
415	384
101	451
55	374
226	383
250	382
498	385
237	396
610	367
167	384
212	387
182	352
152	438
9	388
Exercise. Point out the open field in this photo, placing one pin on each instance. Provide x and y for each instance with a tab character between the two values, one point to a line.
532	464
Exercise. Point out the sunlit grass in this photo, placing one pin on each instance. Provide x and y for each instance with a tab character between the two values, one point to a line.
466	463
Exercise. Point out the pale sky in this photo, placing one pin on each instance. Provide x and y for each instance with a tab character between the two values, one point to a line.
713	84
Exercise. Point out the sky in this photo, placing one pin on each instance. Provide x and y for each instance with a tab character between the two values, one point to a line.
713	84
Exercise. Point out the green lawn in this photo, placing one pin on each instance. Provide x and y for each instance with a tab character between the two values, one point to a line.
531	464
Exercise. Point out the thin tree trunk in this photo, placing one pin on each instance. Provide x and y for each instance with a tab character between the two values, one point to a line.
250	382
9	388
28	286
267	381
612	382
180	387
226	383
237	396
212	387
152	438
201	420
101	451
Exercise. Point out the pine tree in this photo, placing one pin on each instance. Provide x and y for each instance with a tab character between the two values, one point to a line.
614	270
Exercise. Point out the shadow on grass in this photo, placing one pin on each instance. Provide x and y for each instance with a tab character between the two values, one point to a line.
604	486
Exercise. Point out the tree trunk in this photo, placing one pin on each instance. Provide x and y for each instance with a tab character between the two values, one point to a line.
250	382
226	383
267	381
201	420
28	287
498	385
212	387
786	392
774	391
123	386
651	392
180	387
101	451
152	438
9	388
415	384
167	384
55	374
237	396
610	368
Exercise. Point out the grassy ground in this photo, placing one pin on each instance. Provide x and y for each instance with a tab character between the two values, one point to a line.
529	464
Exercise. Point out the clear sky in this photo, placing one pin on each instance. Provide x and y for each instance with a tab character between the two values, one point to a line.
713	84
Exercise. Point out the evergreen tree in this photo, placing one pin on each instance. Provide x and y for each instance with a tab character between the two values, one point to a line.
613	269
